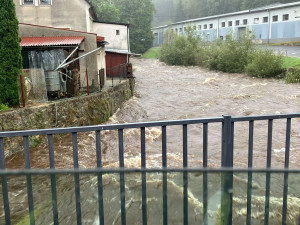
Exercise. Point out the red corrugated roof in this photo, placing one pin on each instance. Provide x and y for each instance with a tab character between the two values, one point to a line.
99	38
51	41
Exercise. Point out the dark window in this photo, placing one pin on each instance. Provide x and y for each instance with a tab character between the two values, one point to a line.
184	28
223	24
245	21
45	2
230	23
194	27
28	2
176	30
211	25
199	27
180	29
275	18
205	26
265	19
117	32
221	37
237	22
285	17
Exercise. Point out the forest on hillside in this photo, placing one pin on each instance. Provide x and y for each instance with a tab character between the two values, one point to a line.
170	11
137	13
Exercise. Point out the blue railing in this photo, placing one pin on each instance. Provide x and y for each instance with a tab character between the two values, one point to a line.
227	171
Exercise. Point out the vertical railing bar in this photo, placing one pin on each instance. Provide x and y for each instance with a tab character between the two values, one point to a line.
29	181
100	186
205	192
268	175
250	164
4	183
227	178
53	180
76	178
143	165
165	184
185	174
286	175
122	176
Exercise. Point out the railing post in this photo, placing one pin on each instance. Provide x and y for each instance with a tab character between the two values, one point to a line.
22	90
87	81
227	178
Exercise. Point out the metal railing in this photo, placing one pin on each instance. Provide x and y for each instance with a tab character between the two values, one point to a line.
227	170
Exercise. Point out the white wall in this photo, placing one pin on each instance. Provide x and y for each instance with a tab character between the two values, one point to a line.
109	31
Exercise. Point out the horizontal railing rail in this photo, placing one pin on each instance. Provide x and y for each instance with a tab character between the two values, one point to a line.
226	168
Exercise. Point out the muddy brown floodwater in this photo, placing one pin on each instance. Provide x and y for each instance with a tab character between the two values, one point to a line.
171	93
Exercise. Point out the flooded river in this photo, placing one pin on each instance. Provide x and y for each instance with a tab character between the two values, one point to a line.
172	93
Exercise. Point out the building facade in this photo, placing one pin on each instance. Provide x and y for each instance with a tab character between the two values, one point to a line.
67	14
276	23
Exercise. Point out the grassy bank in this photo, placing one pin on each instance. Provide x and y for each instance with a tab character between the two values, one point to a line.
152	53
289	62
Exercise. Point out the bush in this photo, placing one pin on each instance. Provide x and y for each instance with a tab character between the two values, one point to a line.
292	75
4	107
264	64
230	55
180	50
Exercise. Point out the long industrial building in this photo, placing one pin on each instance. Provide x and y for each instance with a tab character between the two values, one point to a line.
277	23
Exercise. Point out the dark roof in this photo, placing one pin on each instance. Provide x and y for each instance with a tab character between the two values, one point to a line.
125	24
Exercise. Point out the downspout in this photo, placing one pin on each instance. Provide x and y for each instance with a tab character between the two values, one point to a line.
128	43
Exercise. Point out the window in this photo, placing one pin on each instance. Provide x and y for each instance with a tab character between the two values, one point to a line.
211	25
28	2
205	26
184	28
237	22
230	23
194	27
275	18
265	19
180	29
221	38
117	32
45	2
199	27
223	24
245	21
256	20
176	30
285	17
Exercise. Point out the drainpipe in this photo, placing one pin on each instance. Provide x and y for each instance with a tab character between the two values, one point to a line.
218	27
128	43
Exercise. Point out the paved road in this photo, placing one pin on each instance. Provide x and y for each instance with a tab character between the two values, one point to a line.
291	51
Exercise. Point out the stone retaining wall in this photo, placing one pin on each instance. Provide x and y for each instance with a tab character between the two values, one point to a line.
79	111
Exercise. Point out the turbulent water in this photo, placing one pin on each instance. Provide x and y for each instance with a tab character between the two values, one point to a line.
171	93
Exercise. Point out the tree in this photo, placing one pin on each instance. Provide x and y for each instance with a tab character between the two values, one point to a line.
10	53
106	11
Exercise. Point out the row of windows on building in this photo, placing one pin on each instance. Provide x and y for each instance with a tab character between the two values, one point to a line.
33	2
285	17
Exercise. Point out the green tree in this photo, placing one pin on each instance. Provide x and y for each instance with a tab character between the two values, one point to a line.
139	14
10	53
106	11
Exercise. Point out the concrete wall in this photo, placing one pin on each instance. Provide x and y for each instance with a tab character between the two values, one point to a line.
81	111
109	31
72	14
89	44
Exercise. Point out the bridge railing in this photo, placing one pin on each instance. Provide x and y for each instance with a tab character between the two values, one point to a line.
227	170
